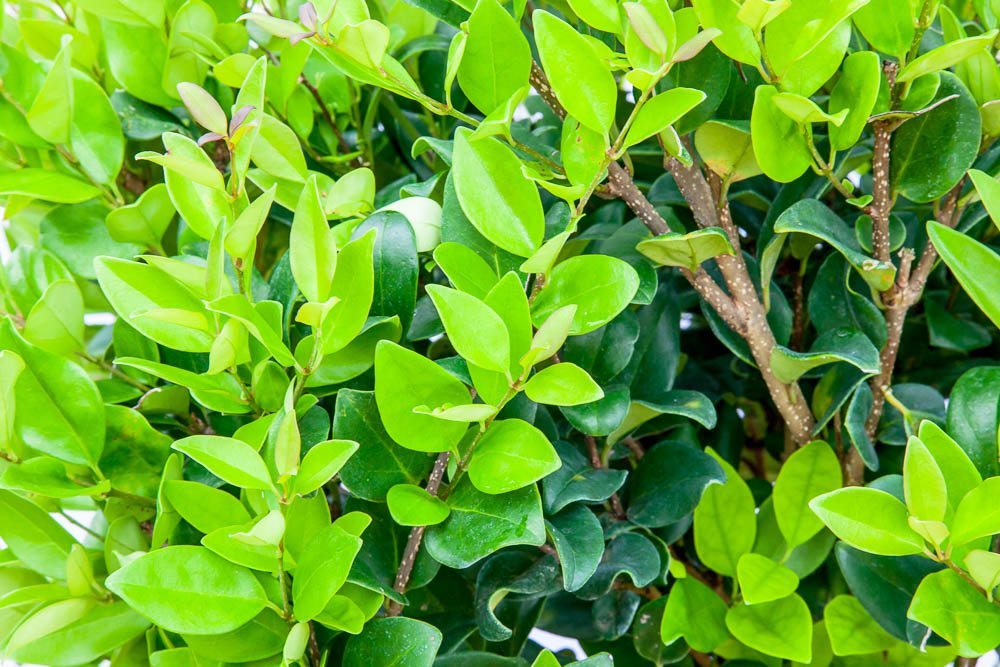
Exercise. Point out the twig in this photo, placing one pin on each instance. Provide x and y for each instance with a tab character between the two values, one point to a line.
416	537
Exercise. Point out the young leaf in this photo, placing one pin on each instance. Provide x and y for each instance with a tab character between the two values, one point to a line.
563	384
411	505
229	459
868	519
312	248
510	455
477	333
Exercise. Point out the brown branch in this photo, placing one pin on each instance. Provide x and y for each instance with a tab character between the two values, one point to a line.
412	548
327	116
742	311
598	464
881	196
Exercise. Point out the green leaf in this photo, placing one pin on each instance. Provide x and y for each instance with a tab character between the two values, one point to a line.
989	192
598	285
55	323
51	110
33	536
563	384
945	56
59	410
973	417
976	267
809	472
763	580
144	221
932	152
321	463
354	287
511	454
579	542
495	195
661	111
405	380
669	482
229	459
686	250
976	515
852	631
782	628
685	403
727	149
276	151
189	589
204	507
241	237
868	519
474	329
812	217
411	505
960	474
481	523
322	569
47	185
312	247
804	111
135	289
856	92
923	483
75	631
219	392
497	59
847	345
466	270
579	77
578	480
778	143
695	612
737	40
725	522
887	24
394	641
239	308
196	193
95	135
951	607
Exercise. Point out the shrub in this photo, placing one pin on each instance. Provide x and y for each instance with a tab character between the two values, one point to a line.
382	334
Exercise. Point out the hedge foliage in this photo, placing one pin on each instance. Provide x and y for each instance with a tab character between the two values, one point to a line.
376	333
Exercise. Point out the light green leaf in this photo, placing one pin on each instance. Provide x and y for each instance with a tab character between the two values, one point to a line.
954	609
51	111
204	507
660	111
411	505
868	519
229	459
696	613
394	641
33	536
764	580
405	380
241	237
321	463
737	40
144	221
945	56
803	110
510	455
778	143
189	589
579	77
203	108
923	483
725	521
855	92
726	148
976	267
988	188
852	630
960	473
312	248
465	268
686	250
474	329
782	628
977	514
563	384
59	410
47	185
322	569
497	198
809	472
598	285
497	58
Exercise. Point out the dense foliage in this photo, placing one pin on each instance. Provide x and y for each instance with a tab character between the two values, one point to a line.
369	333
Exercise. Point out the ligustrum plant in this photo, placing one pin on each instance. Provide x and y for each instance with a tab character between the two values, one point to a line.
371	332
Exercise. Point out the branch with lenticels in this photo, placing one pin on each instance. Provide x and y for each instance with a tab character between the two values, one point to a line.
741	309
